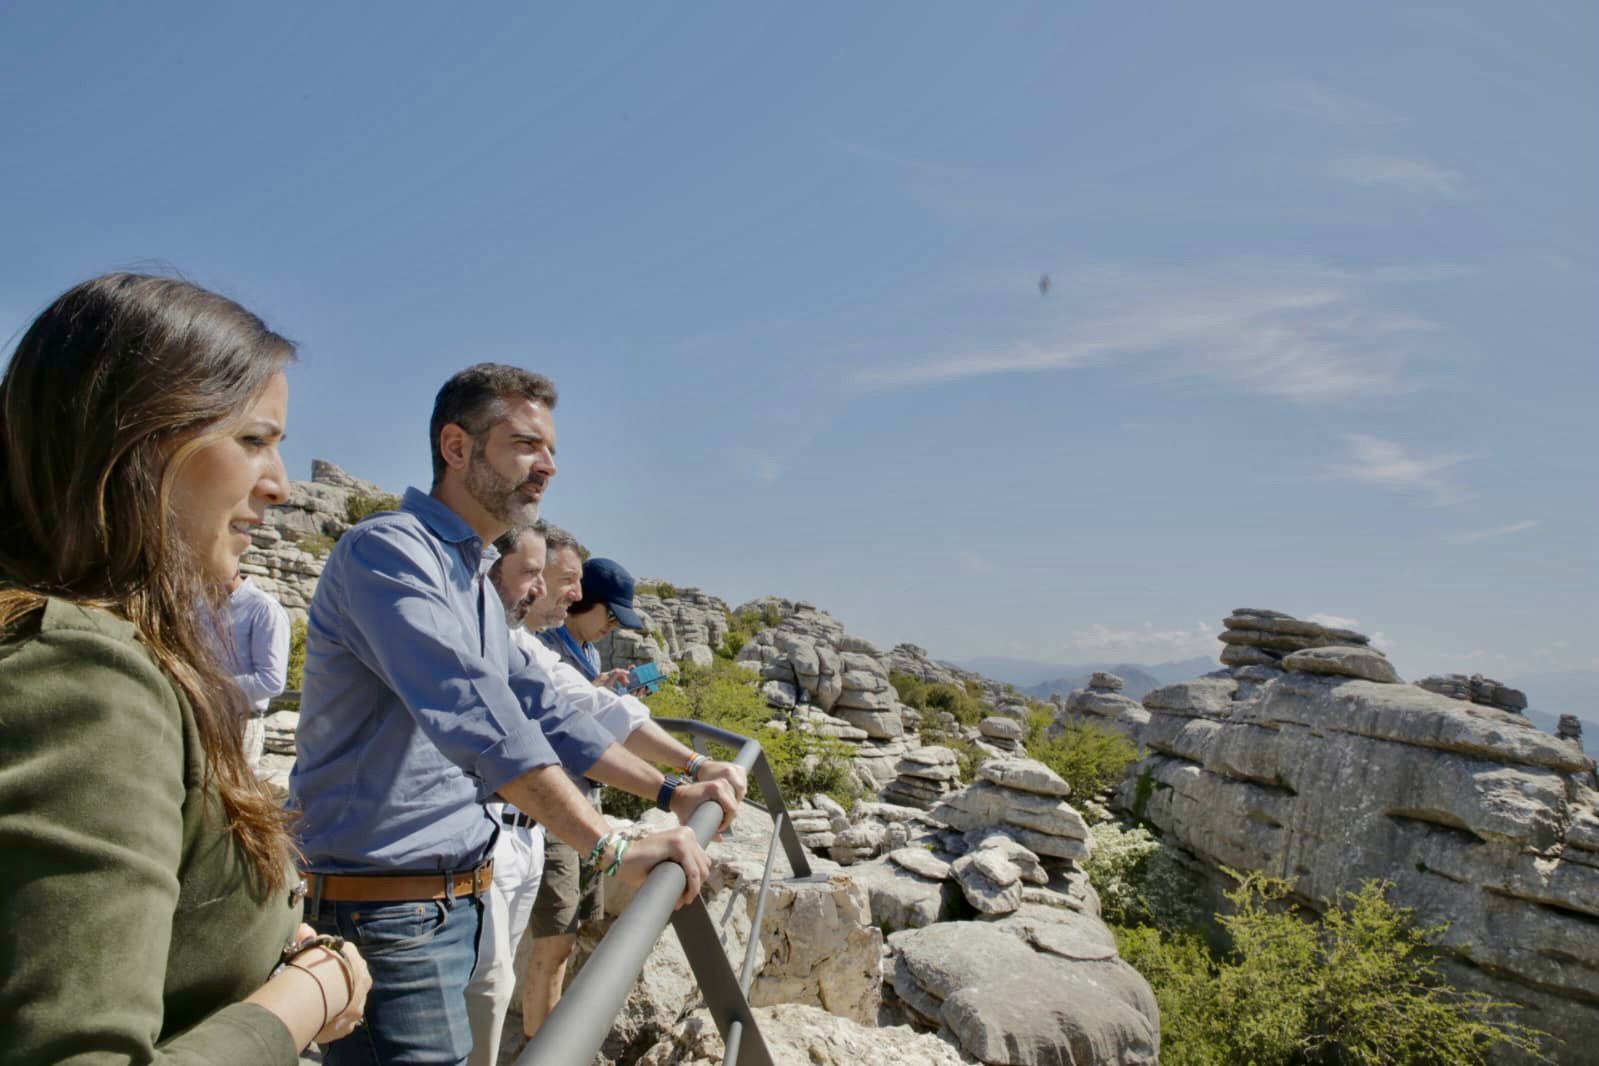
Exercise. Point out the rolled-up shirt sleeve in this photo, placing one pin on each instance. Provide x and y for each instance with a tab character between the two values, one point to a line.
617	714
394	596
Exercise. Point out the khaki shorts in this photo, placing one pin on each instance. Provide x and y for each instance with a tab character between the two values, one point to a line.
569	895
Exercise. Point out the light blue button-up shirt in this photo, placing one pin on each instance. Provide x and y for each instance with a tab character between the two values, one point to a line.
416	707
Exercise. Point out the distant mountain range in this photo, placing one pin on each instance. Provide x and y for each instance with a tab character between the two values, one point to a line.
1042	680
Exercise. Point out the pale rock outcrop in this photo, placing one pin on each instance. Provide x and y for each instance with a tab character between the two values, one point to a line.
816	945
287	551
923	776
1027	799
1101	704
1002	733
1476	689
1004	993
1479	820
802	1035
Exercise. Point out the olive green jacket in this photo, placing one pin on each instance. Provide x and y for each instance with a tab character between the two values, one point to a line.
129	930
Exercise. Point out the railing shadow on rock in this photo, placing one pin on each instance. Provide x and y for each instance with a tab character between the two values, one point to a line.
574	1031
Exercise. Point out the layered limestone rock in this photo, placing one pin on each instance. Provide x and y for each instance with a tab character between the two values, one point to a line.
816	944
1327	778
1477	689
923	776
680	625
1002	733
1026	992
1101	704
287	551
801	1035
1255	637
1028	800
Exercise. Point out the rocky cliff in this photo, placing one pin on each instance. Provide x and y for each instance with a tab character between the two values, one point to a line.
1309	759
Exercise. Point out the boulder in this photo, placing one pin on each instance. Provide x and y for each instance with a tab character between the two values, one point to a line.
798	1034
1006	1001
1343	660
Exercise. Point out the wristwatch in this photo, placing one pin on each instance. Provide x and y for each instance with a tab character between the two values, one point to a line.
663	799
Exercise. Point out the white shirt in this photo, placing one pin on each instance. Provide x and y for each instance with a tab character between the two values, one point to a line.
618	714
258	643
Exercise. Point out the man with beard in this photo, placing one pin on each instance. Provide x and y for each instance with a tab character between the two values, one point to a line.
538	577
417	709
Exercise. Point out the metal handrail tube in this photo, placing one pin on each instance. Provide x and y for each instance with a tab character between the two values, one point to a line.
761	771
580	1022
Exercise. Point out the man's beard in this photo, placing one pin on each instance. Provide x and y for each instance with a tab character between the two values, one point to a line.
516	614
501	496
547	618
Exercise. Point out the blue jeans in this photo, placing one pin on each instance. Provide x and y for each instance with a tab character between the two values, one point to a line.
421	955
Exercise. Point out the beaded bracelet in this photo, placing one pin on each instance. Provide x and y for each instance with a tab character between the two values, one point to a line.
695	765
616	863
599	848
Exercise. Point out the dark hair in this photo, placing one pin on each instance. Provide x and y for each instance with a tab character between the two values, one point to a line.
109	390
557	539
507	542
471	400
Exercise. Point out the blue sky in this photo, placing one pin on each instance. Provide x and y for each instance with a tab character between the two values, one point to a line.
1320	336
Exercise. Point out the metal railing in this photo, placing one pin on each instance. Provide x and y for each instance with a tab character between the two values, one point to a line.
577	1027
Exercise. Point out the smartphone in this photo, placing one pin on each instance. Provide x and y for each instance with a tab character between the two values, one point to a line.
645	677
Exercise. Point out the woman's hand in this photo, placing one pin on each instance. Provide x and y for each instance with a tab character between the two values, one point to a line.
344	984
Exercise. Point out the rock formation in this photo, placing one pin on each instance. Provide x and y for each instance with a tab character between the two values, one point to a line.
1477	689
1308	760
1101	704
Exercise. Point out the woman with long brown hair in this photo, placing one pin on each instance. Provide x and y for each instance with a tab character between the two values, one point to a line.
148	903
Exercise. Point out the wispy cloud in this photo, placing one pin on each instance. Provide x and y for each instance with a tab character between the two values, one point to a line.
1147	644
1320	103
1379	639
1497	531
1417	177
1389	465
1305	338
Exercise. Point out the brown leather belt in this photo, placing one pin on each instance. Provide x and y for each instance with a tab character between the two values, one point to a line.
379	888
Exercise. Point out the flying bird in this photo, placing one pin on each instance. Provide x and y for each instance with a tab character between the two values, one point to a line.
1043	284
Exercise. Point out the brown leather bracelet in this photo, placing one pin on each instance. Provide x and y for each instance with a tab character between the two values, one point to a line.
335	946
319	991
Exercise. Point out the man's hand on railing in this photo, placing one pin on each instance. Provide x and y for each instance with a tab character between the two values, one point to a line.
732	773
669	845
687	799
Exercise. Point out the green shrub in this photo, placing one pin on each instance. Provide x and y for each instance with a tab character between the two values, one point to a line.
932	698
742	627
296	674
1360	985
662	589
358	507
1091	759
728	696
317	544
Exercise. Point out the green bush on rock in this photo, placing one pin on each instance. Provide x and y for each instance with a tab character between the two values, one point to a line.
1090	759
726	696
1360	985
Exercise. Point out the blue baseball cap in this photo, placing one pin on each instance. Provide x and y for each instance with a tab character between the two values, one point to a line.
607	581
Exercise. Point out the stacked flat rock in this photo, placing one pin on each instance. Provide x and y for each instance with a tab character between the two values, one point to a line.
1570	728
1477	689
818	826
993	873
1101	704
809	719
924	776
1256	637
866	699
876	762
1004	734
622	649
913	660
686	625
1024	798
